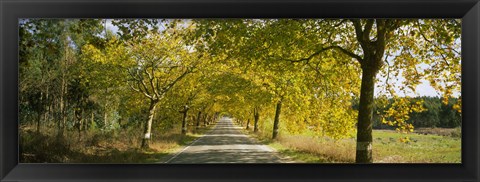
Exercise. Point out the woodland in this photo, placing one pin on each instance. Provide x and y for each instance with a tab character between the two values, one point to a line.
88	93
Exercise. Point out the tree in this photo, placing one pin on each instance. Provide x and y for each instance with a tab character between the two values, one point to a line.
49	51
298	74
264	47
161	60
104	71
367	42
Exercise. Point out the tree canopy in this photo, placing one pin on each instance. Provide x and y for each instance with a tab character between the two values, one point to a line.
315	75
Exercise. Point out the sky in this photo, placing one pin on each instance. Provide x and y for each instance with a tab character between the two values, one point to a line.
423	89
111	27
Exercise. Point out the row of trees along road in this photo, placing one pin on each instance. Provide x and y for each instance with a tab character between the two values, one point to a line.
305	73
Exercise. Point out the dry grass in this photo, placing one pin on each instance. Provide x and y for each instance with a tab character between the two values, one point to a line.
324	149
97	147
387	148
453	132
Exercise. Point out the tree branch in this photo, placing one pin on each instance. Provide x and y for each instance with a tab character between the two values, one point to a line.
434	44
348	53
344	51
189	70
138	90
358	27
367	30
359	33
169	86
144	86
340	23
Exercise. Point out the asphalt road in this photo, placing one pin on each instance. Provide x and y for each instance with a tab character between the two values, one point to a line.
225	143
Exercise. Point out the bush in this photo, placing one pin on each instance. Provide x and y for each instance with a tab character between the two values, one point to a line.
37	147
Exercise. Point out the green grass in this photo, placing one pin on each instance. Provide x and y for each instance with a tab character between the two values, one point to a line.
387	148
421	148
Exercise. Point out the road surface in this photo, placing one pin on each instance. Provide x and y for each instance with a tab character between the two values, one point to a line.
225	143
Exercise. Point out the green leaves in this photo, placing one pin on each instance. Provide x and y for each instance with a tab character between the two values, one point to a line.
234	65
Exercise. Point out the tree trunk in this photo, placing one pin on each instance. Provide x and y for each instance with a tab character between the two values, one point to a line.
148	126
184	122
64	105
215	117
248	123
39	117
62	119
205	120
256	116
92	120
59	126
75	119
198	120
46	108
365	113
46	114
39	113
371	64
105	116
80	124
84	121
58	117
277	119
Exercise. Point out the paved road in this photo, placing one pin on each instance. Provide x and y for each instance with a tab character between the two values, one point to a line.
225	143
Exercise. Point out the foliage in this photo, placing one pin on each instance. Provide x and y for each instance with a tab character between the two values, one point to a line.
296	75
434	113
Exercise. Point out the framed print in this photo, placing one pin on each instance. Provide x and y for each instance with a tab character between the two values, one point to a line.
239	90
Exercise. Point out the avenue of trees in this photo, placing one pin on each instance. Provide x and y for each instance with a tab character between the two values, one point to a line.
321	75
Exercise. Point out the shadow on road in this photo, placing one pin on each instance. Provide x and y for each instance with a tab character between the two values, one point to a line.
225	143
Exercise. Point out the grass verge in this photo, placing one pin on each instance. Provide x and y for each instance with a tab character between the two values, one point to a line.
387	148
96	147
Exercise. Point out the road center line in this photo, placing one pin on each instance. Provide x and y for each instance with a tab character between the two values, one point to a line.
178	153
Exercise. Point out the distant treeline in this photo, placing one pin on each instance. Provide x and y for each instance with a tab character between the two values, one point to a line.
436	114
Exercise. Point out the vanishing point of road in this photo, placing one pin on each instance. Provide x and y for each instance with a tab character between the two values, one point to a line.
226	143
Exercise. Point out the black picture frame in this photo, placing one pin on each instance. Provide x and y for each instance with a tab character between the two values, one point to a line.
467	10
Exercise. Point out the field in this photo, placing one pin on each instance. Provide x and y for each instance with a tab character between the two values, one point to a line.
387	147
